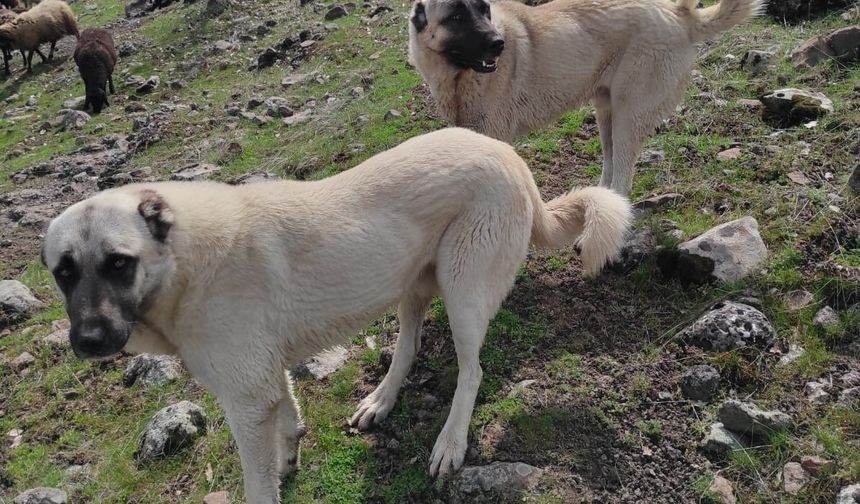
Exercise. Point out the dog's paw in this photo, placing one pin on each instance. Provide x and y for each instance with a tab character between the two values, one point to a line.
372	410
448	453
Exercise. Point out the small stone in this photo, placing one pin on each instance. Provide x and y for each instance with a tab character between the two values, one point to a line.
654	202
392	114
503	479
149	85
171	429
849	396
336	12
748	419
217	498
700	382
393	444
794	353
720	441
223	45
257	119
849	494
850	379
816	391
41	495
652	156
325	363
75	103
73	119
297	118
794	478
746	102
798	299
357	92
277	106
23	361
729	154
152	370
826	318
798	177
77	472
793	106
756	61
728	252
814	465
196	171
723	488
59	336
16	300
729	326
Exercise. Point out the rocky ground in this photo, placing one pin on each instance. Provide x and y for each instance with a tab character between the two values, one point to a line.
717	361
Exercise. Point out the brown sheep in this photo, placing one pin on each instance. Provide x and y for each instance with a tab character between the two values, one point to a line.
49	21
96	58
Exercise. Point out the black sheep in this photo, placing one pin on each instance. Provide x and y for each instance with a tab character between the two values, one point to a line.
96	58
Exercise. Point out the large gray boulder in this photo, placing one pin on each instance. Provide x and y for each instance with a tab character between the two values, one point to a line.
170	430
735	248
497	480
728	326
41	495
16	300
152	370
749	419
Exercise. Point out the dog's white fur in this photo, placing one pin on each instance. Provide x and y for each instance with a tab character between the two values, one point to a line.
632	58
259	278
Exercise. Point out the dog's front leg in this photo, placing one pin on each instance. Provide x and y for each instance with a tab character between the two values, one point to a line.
290	430
254	426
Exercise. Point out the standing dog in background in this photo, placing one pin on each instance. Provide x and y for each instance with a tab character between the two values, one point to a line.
505	69
243	282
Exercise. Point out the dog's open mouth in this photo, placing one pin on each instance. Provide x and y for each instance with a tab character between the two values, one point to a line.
480	66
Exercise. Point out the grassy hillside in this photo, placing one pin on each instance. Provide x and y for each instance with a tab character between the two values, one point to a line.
602	416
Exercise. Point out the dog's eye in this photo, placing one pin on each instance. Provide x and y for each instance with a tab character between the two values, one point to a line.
119	262
65	272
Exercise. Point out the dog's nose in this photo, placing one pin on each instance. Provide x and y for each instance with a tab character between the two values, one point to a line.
90	339
497	45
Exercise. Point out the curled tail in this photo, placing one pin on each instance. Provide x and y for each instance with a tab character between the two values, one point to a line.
595	219
711	21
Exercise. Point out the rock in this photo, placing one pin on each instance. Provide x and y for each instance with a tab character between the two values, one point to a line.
223	45
814	465
757	61
149	85
729	326
798	299
850	379
798	177
277	106
747	418
794	352
196	171
126	49
826	318
638	245
59	336
723	488
392	114
735	249
794	478
324	363
41	495
721	441
75	103
652	156
171	429
16	300
816	391
217	498
849	396
336	12
294	79
793	106
502	479
729	154
842	45
73	119
297	118
700	382
23	361
77	472
854	180
648	205
152	370
848	495
257	119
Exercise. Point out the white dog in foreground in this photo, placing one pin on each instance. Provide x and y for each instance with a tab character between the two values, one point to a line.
243	282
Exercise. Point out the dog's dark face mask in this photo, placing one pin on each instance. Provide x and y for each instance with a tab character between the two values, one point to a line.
108	261
471	40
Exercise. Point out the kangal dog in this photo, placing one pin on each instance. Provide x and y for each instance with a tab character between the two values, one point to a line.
243	282
505	69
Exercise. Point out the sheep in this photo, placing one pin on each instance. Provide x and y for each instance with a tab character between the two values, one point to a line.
96	57
49	21
7	16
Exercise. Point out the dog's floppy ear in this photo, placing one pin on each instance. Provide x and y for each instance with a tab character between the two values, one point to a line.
419	16
156	213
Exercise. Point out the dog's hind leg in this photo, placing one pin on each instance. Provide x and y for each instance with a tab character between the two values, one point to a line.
376	406
603	107
290	430
253	424
477	266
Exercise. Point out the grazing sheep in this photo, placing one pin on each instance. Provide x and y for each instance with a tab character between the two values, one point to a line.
7	16
49	21
96	57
